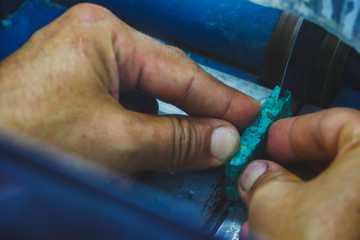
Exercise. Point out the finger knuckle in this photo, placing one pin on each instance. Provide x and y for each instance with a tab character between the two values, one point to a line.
178	51
335	119
184	56
88	14
347	113
39	34
185	142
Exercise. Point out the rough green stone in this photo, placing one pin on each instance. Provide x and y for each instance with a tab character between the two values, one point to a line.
253	140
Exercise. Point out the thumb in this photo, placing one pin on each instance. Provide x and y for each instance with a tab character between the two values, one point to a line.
267	178
188	143
270	193
177	143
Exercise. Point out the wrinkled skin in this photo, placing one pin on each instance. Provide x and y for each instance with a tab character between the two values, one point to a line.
282	205
62	88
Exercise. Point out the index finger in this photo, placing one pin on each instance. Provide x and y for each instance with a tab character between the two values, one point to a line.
320	136
171	76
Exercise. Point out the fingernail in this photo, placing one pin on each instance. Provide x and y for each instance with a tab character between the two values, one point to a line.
224	143
252	172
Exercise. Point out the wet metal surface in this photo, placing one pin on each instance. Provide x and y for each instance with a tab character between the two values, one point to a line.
230	227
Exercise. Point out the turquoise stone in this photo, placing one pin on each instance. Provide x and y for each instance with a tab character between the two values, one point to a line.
253	140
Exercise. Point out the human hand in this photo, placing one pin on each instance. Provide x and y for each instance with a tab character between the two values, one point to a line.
62	88
282	205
